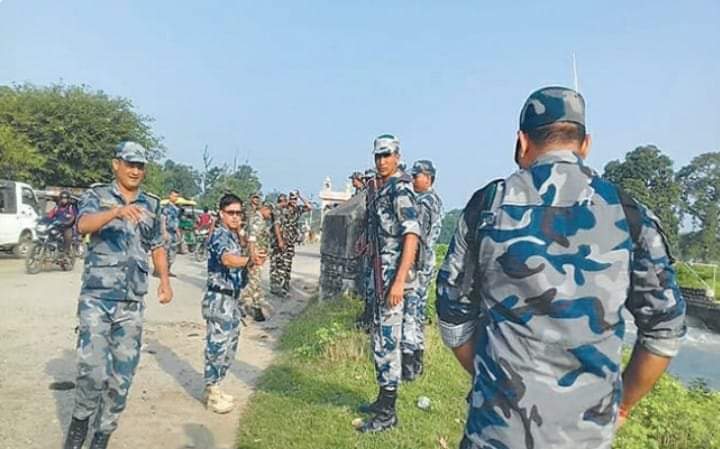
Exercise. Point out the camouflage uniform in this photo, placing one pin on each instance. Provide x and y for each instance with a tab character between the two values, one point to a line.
429	207
171	213
555	264
110	309
221	307
391	215
282	260
259	235
276	257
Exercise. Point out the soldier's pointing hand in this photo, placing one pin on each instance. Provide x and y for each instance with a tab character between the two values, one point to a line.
130	212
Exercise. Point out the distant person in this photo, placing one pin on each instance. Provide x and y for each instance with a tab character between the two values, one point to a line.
124	226
221	307
204	221
356	178
531	293
65	214
171	227
429	210
393	232
258	230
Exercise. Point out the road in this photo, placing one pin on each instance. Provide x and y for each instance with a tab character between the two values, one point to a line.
37	335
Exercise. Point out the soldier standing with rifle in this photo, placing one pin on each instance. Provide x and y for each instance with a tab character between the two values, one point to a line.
393	232
279	245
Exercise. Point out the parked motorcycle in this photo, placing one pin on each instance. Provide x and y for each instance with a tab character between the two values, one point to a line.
48	248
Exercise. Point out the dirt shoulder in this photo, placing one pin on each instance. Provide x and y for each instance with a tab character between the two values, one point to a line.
37	322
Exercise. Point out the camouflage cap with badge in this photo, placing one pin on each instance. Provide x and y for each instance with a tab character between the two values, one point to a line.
131	152
386	144
550	105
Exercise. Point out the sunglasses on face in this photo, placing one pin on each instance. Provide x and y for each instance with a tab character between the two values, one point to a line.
234	213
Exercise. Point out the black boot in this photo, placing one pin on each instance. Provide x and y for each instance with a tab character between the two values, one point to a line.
76	433
385	417
419	366
100	441
372	407
258	314
408	367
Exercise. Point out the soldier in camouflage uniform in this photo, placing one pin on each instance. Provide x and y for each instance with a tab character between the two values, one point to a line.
290	233
278	245
531	293
221	307
358	182
259	243
124	226
393	232
171	227
429	209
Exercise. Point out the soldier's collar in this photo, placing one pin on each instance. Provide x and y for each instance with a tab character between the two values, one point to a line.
557	156
116	191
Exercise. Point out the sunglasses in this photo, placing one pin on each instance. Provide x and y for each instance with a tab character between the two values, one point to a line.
234	213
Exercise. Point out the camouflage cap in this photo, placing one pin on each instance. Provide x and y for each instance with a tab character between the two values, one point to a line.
256	195
552	104
423	166
369	173
292	196
131	152
356	175
386	144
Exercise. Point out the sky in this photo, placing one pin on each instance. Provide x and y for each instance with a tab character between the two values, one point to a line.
300	89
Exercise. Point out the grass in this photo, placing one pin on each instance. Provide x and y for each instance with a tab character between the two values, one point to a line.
689	276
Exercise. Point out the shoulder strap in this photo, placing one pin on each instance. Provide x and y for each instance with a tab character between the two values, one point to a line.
632	214
480	203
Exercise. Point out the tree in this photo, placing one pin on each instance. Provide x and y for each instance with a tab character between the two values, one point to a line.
19	160
74	129
648	176
449	223
700	181
243	181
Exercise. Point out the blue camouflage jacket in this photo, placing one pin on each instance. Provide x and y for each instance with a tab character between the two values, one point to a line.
116	262
556	268
392	214
429	208
222	241
172	217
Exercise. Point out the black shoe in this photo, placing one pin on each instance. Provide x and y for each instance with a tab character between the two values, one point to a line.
372	407
172	275
385	418
76	433
408	367
419	365
100	441
258	314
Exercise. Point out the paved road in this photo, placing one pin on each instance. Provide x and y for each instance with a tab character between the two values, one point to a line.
37	340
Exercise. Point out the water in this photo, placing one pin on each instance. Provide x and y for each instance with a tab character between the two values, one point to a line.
699	356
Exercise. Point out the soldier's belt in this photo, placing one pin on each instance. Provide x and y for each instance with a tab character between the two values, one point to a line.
224	291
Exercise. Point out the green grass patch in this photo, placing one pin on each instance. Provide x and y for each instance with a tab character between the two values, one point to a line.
307	399
697	276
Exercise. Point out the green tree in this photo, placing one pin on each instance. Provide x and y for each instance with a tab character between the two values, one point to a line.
700	181
75	129
449	223
242	181
648	176
19	160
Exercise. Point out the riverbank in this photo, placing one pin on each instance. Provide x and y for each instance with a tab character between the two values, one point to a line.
307	399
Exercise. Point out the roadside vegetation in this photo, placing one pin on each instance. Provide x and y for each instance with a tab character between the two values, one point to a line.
307	399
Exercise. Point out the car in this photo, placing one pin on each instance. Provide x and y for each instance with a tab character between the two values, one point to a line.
18	217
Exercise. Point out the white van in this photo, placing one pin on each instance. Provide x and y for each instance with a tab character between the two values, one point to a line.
18	217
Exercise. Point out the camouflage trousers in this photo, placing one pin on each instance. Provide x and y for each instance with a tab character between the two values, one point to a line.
108	352
222	314
280	269
253	293
420	313
393	335
171	247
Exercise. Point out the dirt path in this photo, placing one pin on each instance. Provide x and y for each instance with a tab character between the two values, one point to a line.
37	321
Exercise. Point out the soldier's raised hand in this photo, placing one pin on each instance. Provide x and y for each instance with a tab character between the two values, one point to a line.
132	213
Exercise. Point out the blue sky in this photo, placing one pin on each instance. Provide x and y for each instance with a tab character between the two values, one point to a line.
300	89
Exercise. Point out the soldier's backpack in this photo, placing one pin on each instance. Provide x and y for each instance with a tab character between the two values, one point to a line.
480	213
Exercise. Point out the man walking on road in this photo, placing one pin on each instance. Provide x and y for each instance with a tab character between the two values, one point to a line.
171	227
531	293
221	307
124	226
393	231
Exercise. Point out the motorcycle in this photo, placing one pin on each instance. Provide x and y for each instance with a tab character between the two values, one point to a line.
48	248
201	238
